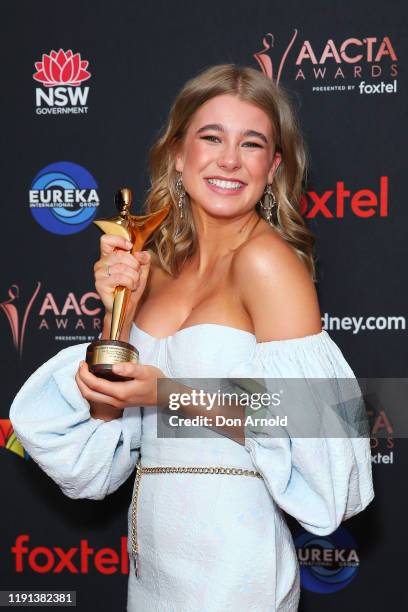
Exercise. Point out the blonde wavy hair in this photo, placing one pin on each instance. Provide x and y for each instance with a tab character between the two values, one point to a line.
176	239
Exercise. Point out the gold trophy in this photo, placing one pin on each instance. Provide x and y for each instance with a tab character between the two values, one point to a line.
101	355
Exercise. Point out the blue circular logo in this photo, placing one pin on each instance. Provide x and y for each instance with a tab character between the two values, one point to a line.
63	198
327	563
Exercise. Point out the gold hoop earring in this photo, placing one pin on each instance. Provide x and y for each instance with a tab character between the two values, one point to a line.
181	194
268	203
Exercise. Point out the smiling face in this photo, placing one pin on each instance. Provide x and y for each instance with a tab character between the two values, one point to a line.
227	156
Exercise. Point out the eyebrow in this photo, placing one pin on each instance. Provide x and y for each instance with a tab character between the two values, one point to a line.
219	128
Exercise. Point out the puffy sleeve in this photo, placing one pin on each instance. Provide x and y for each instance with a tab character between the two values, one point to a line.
85	456
321	473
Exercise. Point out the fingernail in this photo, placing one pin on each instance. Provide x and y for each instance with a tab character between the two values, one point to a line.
117	368
129	244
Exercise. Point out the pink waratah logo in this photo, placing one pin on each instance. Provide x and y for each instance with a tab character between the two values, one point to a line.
61	68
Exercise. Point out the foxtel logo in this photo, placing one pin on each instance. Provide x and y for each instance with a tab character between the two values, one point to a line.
75	560
332	204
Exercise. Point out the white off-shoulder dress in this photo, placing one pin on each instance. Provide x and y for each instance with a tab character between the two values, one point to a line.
208	542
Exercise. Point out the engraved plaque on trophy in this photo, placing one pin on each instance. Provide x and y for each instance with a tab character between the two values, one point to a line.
101	355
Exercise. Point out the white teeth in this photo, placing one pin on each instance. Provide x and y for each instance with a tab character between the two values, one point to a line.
225	184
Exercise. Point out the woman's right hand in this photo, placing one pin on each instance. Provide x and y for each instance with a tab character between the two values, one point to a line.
117	266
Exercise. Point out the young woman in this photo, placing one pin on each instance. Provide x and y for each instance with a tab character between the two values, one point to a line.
223	290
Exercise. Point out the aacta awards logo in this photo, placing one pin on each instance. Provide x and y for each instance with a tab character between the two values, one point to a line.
69	316
63	198
364	65
61	74
382	436
17	327
327	563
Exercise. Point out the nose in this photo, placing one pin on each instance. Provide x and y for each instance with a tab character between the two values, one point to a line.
229	158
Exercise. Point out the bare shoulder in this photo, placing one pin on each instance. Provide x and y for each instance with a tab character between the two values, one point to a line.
276	289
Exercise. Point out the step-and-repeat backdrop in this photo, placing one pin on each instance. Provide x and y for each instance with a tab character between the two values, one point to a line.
86	88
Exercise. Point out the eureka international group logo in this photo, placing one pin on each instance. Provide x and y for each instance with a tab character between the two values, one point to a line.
63	198
61	74
327	563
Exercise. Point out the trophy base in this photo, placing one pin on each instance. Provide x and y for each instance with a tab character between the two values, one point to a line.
101	355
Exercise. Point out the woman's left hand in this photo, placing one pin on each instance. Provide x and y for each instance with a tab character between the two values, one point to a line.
141	391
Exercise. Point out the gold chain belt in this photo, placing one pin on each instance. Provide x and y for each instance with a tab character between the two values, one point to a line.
232	471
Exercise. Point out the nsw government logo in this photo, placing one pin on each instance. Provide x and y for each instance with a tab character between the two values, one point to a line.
63	198
61	74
